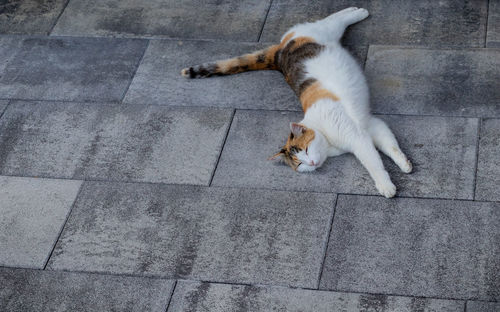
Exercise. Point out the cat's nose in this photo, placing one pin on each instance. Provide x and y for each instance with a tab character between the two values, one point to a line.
313	163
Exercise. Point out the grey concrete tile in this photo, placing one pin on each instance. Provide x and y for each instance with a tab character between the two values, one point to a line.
214	234
493	35
29	16
112	141
232	20
35	290
79	69
401	22
193	296
418	247
478	306
32	214
488	166
438	82
158	79
442	151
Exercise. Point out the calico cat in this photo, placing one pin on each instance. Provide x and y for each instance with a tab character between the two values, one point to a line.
334	96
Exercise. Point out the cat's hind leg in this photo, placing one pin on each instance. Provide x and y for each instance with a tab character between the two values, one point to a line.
386	142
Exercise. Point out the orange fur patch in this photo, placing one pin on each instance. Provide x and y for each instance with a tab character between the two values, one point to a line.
251	61
302	141
313	93
300	41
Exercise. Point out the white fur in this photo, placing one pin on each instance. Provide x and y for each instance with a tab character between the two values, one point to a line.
345	125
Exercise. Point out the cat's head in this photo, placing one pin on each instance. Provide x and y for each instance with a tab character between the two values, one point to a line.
305	149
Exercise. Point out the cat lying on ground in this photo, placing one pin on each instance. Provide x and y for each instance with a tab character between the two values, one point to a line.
334	96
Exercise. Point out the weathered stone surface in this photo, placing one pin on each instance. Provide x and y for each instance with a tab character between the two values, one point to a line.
112	141
401	22
434	82
192	296
478	306
493	36
34	290
228	19
442	151
418	247
32	214
488	166
79	69
29	16
215	234
158	79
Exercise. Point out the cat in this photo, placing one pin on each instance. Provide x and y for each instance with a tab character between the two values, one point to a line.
334	96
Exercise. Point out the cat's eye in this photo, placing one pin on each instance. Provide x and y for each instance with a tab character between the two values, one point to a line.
307	149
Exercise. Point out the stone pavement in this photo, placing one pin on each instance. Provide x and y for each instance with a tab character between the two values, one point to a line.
125	187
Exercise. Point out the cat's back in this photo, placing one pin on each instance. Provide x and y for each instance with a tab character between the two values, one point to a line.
338	72
328	63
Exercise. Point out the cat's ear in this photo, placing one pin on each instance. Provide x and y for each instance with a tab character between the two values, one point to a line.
278	154
297	129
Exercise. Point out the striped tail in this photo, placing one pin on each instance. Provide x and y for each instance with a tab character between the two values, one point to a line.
263	59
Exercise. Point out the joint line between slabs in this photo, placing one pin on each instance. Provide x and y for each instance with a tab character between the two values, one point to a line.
222	146
486	23
329	234
5	108
135	71
64	225
171	296
476	163
265	20
58	17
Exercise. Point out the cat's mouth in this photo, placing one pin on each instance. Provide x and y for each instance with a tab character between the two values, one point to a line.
297	167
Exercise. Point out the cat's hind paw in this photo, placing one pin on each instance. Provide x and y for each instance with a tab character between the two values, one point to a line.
388	190
361	13
350	9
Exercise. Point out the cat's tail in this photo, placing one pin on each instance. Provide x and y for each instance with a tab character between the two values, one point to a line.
262	59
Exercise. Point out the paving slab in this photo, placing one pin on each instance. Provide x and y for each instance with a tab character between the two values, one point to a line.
228	19
434	82
76	69
193	296
35	290
401	22
210	234
32	214
488	167
158	79
478	306
493	35
112	141
417	247
29	16
442	151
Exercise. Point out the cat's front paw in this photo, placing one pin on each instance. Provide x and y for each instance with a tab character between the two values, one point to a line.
388	189
406	167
